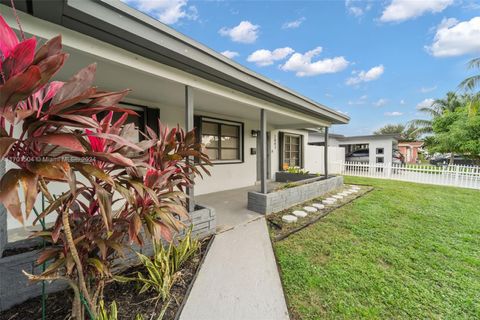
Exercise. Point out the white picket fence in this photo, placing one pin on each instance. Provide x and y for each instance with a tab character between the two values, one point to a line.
452	175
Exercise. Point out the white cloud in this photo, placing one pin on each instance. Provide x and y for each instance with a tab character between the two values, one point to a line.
426	103
401	10
166	11
359	101
230	54
357	8
245	32
303	66
265	57
380	102
366	76
402	102
454	38
293	24
393	114
428	89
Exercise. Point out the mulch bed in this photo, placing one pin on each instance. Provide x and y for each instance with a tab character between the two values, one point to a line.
279	230
129	302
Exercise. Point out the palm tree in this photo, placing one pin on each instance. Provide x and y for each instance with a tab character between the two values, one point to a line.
469	84
451	102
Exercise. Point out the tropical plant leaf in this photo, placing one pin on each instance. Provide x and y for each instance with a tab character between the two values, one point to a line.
66	140
19	87
9	193
6	144
57	170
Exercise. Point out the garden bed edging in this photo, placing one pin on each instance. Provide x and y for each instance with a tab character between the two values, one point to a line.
15	287
282	199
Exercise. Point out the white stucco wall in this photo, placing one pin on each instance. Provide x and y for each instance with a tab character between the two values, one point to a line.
314	159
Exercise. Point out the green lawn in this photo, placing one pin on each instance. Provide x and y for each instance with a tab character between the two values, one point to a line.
403	251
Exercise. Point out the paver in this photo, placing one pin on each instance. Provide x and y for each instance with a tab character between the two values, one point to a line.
310	209
318	205
299	213
288	218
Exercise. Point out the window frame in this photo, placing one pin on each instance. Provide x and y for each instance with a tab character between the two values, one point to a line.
219	122
283	136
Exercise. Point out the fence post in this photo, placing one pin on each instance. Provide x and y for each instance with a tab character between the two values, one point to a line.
389	170
456	175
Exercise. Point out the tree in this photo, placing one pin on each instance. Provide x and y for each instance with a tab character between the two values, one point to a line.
405	132
457	132
451	102
470	84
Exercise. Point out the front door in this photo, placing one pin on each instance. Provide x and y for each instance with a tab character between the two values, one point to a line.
259	163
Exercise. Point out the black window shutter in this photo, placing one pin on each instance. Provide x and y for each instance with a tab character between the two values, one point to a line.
280	148
152	115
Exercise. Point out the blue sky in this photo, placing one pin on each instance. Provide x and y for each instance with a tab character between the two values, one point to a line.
374	60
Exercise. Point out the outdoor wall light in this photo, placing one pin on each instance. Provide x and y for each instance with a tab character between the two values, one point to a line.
254	133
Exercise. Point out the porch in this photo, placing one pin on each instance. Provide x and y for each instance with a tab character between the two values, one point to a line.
231	205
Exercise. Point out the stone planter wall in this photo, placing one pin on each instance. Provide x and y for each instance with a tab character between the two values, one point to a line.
282	199
15	289
283	176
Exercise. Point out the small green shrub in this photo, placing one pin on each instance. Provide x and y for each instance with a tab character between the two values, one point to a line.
105	314
162	269
296	170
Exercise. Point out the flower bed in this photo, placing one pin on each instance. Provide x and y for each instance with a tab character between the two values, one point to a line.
292	194
130	303
280	229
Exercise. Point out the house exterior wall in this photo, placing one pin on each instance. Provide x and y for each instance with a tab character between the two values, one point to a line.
314	159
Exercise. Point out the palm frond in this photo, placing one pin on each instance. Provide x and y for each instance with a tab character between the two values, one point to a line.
470	83
474	64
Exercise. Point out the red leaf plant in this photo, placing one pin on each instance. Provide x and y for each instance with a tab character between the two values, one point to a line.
50	130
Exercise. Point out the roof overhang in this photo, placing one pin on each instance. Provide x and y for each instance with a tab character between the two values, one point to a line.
115	23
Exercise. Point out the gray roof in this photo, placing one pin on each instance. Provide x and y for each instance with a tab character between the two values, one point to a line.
114	22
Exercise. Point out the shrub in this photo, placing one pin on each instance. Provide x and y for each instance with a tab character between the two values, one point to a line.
296	170
57	131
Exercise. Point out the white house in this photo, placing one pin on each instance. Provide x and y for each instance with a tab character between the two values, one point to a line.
237	112
380	147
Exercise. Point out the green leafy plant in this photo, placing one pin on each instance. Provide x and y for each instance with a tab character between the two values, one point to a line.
163	268
296	170
107	314
52	131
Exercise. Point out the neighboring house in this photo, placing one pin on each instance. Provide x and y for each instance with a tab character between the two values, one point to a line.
380	147
183	82
410	150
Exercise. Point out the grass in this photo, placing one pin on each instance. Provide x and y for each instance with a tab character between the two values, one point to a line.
403	251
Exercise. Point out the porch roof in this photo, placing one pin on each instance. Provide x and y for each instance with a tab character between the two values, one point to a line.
117	24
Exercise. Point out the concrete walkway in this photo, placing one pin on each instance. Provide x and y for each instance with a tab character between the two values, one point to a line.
239	279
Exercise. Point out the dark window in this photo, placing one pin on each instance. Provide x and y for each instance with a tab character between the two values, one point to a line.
379	150
222	139
379	159
292	150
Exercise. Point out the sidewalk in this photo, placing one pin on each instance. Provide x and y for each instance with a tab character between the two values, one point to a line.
239	279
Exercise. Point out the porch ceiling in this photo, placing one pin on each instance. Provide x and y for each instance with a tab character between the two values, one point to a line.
157	91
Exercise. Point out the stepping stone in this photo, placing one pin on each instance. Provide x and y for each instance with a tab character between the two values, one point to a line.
299	213
310	209
337	196
328	202
344	193
318	205
355	187
331	199
289	218
354	191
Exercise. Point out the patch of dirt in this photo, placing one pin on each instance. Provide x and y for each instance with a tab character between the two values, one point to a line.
129	302
280	230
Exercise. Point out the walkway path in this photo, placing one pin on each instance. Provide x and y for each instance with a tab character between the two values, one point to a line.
239	279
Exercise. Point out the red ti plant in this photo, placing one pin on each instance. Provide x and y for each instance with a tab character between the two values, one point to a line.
47	129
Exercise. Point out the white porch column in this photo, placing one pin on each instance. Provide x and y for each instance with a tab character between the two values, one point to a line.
188	127
325	153
263	151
